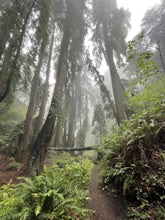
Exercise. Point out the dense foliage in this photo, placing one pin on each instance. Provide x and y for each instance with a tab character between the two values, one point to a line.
10	119
134	156
59	193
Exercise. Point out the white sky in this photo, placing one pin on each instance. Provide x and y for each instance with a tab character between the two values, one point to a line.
137	9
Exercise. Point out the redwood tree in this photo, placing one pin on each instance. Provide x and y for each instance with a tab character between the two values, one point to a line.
45	92
42	37
13	26
110	30
73	21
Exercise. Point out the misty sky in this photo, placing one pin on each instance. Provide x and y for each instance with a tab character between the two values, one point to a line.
137	9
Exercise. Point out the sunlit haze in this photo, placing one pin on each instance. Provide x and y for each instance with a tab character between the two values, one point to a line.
137	9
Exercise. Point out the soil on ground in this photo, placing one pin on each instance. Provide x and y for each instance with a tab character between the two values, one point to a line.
106	205
8	172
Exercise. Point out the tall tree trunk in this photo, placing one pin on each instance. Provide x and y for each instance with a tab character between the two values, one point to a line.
118	91
57	133
72	120
66	112
65	134
116	82
46	89
4	89
3	39
23	151
44	137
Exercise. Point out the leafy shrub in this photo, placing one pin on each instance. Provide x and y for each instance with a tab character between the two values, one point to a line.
134	161
59	193
11	125
14	166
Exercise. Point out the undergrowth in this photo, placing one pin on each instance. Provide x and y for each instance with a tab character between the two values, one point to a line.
59	193
134	156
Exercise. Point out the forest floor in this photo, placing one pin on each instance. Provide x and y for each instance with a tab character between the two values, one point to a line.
106	205
9	170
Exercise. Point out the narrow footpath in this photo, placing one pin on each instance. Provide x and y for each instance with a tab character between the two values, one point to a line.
105	205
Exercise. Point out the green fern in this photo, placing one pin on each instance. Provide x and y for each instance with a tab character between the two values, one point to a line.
59	193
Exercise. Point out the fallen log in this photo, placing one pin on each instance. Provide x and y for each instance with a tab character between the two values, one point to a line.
74	149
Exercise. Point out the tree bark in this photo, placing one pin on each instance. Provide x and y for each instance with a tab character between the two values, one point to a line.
118	92
116	82
64	138
46	89
65	123
72	120
3	39
23	151
57	133
44	137
4	89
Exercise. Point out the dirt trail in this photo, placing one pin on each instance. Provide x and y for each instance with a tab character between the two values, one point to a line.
106	207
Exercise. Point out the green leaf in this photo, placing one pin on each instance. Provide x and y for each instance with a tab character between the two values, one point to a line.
38	209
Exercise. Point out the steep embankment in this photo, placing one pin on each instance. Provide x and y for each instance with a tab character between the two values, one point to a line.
134	164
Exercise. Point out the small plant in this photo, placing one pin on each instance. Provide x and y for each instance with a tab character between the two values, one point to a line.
59	193
133	157
14	166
